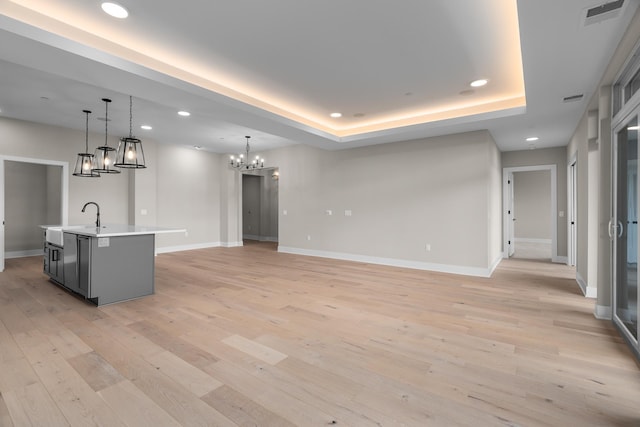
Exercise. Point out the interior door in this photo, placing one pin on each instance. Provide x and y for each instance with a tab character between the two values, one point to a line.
624	228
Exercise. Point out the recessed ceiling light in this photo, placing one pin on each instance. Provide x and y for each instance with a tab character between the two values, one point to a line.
146	127
184	113
479	83
336	115
115	10
532	138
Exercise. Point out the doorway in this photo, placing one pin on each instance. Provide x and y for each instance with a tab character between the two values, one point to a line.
20	179
572	209
260	205
510	214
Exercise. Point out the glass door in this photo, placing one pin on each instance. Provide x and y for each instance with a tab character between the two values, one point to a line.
624	228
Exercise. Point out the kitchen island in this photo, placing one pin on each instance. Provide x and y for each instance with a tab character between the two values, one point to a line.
106	264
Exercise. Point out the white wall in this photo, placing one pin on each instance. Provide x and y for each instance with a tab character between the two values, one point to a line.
442	191
31	140
187	195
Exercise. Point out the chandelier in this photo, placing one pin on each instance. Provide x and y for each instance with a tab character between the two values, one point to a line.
241	162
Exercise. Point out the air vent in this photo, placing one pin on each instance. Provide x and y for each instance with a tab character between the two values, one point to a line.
572	98
602	12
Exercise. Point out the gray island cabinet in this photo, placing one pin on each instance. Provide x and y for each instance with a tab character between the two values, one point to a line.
109	264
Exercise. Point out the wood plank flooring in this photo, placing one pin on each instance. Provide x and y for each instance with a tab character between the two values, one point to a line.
250	337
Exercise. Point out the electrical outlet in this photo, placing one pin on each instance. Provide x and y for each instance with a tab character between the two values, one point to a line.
427	247
347	212
143	211
308	236
284	212
329	212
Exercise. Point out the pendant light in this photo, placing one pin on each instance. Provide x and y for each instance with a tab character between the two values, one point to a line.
105	155
130	154
86	162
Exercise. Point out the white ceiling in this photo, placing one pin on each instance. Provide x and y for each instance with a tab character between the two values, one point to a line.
396	70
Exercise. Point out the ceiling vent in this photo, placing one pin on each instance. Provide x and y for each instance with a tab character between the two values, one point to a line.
572	98
602	12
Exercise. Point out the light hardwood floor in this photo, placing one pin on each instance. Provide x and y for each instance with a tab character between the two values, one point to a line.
250	337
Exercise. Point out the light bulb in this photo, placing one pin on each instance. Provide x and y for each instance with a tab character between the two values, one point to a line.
106	161
86	165
131	154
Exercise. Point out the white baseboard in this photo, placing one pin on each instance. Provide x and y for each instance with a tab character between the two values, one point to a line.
418	265
23	254
602	312
231	244
581	283
179	248
587	291
528	240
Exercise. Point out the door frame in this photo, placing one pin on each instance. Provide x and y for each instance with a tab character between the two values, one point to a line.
64	205
506	233
572	209
634	342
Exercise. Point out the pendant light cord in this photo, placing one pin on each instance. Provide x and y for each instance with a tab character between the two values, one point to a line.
86	135
106	120
130	116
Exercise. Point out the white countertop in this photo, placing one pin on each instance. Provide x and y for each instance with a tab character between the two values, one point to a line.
112	230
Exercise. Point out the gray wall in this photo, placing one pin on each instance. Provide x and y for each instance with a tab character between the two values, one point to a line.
532	205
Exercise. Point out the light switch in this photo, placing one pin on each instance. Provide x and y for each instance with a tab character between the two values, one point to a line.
284	212
561	214
143	211
328	212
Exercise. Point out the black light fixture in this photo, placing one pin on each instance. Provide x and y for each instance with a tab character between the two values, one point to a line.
130	153
242	162
105	155
86	162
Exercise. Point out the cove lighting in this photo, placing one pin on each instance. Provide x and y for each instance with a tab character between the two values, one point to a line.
115	10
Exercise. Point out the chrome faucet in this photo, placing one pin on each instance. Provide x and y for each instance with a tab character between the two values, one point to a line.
98	215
